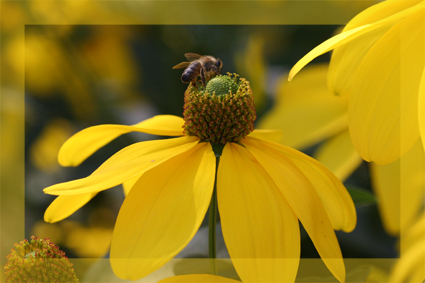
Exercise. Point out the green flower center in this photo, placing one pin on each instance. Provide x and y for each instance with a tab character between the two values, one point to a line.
38	260
222	112
222	85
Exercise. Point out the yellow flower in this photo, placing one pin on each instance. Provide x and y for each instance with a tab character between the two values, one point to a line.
410	266
263	188
38	260
379	60
308	113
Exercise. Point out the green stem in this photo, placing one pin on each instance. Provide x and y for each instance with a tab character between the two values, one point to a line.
213	223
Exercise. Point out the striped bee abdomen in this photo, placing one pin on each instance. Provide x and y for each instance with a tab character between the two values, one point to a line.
191	72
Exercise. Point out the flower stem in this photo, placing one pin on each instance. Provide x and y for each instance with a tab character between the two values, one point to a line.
212	223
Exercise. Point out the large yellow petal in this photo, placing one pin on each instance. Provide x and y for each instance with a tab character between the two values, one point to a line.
348	36
380	11
127	185
400	188
347	58
126	164
198	278
306	111
383	118
304	201
339	155
421	108
162	212
332	193
64	206
260	230
84	143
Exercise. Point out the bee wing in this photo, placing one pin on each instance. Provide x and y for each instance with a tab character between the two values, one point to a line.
181	65
192	56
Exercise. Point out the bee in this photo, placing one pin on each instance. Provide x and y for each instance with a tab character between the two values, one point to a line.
199	66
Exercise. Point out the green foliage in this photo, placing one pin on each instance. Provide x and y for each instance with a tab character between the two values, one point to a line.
361	196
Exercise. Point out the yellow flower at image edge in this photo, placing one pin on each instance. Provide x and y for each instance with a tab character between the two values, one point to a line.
263	188
379	62
410	267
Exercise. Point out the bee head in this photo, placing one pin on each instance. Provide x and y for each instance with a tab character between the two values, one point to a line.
219	65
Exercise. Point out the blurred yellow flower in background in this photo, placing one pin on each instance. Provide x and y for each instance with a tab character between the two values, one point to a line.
251	64
44	56
378	61
119	71
45	149
198	278
89	240
355	5
308	113
172	183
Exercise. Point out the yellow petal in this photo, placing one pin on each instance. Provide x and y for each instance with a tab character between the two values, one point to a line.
328	45
383	118
198	278
84	143
421	108
410	265
162	212
64	206
270	135
379	12
332	193
348	36
306	110
260	230
400	184
339	155
127	185
298	191
125	164
347	58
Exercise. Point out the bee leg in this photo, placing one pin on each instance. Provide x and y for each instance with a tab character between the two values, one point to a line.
215	70
203	76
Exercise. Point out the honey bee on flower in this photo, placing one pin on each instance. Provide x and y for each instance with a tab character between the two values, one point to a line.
204	67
